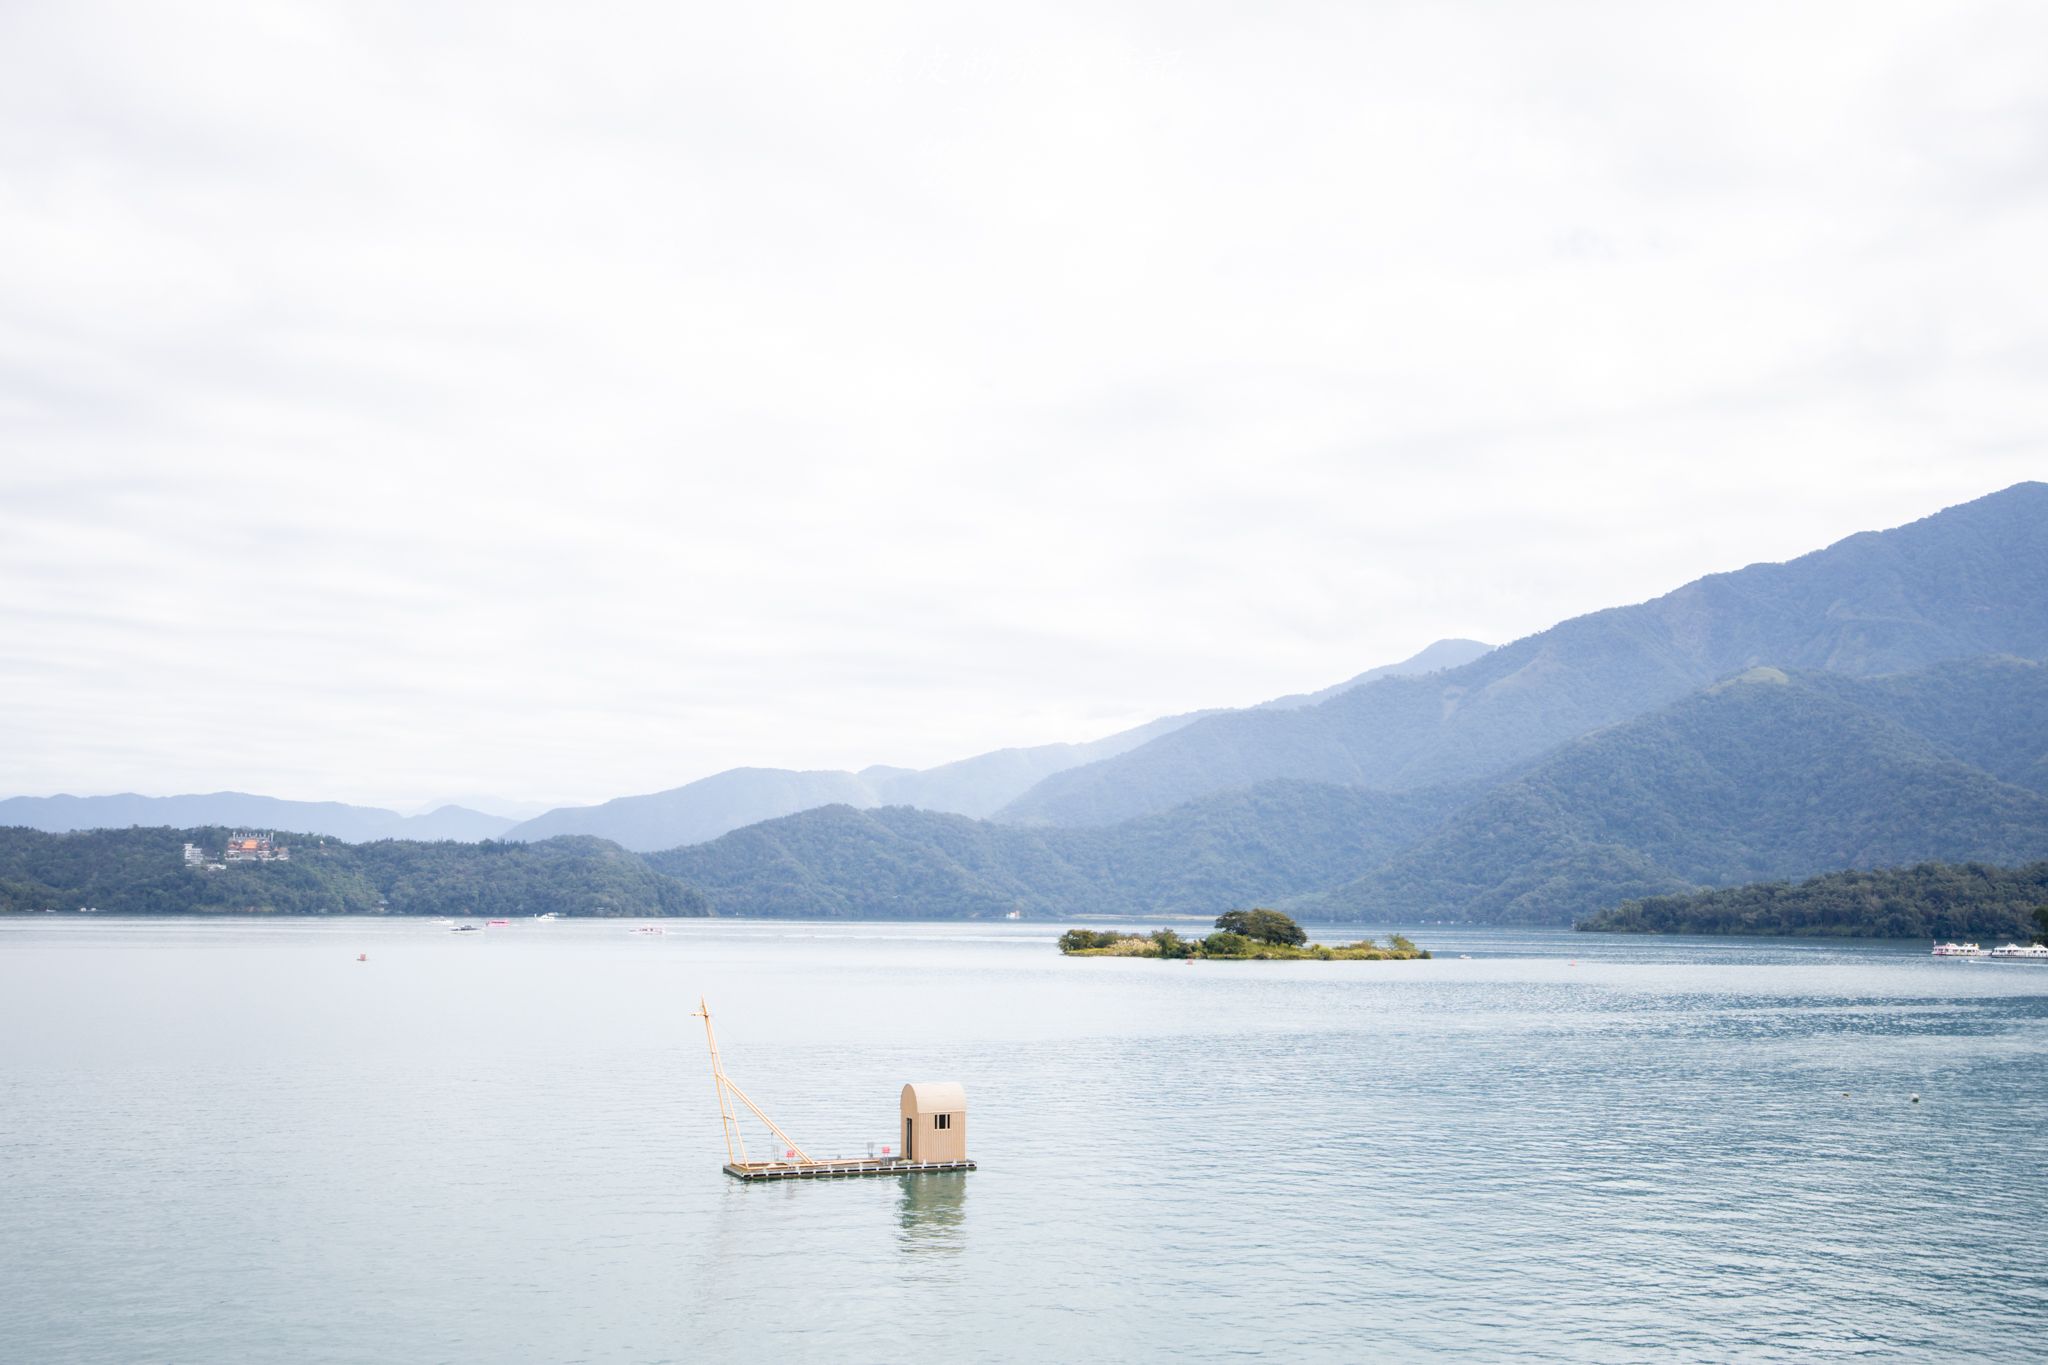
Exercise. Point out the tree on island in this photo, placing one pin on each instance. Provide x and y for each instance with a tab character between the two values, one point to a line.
2041	918
1266	926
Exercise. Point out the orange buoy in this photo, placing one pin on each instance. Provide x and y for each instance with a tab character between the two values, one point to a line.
362	957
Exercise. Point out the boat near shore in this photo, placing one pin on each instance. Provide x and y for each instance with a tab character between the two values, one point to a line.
2015	952
1957	950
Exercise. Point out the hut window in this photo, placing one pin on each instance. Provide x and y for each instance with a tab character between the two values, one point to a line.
942	1120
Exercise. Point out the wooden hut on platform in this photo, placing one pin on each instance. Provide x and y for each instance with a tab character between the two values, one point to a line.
934	1121
934	1131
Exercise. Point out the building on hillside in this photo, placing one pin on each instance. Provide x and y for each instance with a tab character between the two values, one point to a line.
195	856
255	848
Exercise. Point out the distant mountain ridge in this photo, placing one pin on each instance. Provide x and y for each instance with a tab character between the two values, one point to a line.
355	824
1885	704
1434	659
693	813
1965	582
978	786
1878	703
1768	774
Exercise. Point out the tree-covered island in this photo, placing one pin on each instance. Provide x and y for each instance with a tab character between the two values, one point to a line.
1240	935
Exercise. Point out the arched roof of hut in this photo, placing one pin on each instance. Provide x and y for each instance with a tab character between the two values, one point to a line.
935	1097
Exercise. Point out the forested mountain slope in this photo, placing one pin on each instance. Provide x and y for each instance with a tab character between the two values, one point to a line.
898	862
1770	774
1987	712
1760	777
141	871
1967	582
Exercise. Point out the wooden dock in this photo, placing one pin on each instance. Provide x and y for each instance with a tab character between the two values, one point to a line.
840	1170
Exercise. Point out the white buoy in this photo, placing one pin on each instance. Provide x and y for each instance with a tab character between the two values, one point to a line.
1916	1099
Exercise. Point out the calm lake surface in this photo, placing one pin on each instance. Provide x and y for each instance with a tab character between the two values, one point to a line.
234	1142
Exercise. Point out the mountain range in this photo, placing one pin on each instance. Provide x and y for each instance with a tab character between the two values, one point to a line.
1878	703
692	813
976	786
1765	775
1966	582
356	824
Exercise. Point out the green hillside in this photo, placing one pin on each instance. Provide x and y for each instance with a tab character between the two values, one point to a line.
903	863
1765	776
1931	900
1968	582
1984	712
1768	775
142	872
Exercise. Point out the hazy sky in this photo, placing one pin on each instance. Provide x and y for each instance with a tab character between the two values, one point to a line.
399	400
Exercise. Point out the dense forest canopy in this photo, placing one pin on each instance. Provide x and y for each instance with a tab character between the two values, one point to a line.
1931	900
143	872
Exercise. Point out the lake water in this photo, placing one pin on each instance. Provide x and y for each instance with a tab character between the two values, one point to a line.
234	1142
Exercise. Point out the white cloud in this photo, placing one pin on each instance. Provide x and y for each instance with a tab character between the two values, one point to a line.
396	400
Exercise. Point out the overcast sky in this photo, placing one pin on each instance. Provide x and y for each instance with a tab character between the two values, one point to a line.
404	400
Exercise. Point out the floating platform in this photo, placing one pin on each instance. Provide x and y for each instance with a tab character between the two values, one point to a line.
840	1170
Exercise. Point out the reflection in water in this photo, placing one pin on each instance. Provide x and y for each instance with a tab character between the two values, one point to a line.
933	1209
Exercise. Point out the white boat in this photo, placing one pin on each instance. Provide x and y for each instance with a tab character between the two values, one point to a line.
2032	952
549	915
648	929
1957	950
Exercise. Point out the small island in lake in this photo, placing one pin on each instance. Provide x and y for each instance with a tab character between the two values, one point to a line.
1241	935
